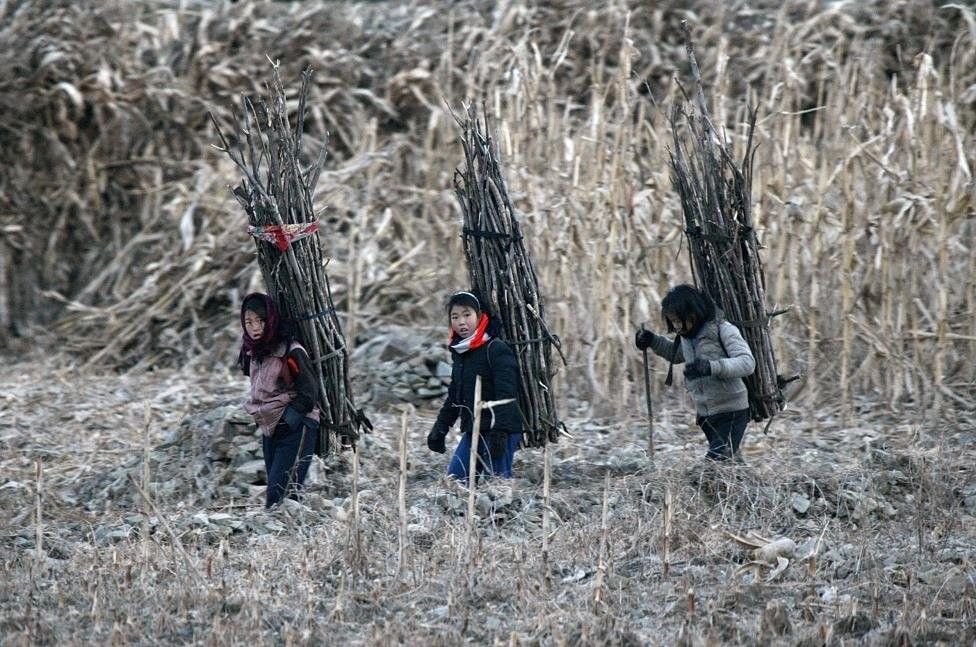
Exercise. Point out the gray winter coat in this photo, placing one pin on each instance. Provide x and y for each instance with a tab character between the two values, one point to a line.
723	390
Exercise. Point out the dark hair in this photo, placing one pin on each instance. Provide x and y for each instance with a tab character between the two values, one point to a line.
689	304
469	299
256	304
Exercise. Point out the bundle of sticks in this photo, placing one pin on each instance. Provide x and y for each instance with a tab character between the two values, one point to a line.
276	194
716	195
502	271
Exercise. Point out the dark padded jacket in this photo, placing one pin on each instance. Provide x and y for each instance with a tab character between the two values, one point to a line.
495	363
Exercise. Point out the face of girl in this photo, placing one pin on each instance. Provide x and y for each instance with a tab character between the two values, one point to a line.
253	324
680	326
464	320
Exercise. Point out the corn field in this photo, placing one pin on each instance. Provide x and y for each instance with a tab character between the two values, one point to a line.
123	257
863	177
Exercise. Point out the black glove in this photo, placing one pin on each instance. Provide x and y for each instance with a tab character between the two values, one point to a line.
698	368
292	418
644	339
435	439
497	444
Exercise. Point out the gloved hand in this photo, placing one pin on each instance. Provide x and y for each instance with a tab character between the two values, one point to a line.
292	418
644	339
497	444
698	368
435	439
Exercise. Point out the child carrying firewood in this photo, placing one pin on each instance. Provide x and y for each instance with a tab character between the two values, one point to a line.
716	358
282	398
476	351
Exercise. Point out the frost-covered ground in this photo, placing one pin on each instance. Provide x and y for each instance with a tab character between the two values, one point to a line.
864	533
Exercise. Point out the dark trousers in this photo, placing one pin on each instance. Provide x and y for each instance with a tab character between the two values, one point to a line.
285	475
724	432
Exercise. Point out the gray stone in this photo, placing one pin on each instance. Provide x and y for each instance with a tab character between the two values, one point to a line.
483	504
799	503
252	469
273	526
112	534
231	492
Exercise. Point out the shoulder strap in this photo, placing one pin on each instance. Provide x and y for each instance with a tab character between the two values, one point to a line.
289	367
488	352
721	342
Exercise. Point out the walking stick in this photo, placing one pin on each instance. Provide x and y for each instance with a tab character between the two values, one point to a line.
650	406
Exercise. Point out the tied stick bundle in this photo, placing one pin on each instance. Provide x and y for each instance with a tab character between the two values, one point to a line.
276	193
716	198
502	272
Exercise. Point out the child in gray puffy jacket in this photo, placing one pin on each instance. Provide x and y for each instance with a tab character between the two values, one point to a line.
716	358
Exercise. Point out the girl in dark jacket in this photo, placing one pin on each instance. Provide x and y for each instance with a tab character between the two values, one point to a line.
716	358
476	351
282	398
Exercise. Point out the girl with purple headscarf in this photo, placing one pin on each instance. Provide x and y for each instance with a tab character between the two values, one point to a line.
282	398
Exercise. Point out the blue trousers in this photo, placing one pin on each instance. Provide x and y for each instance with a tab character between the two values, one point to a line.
280	451
486	467
724	432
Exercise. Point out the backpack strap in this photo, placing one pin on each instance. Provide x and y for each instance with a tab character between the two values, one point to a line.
289	367
721	342
488	353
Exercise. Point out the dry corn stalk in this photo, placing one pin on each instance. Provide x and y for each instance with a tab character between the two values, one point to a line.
502	272
276	194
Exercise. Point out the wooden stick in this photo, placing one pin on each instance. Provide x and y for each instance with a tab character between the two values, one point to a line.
146	478
650	405
601	569
276	191
546	479
38	510
356	556
715	194
473	455
402	493
501	270
667	512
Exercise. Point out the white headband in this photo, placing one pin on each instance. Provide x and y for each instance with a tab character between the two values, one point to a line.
472	296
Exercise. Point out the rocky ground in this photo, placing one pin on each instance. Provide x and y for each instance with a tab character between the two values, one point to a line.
132	513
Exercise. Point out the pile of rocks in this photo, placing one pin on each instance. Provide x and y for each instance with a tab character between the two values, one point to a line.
397	364
204	525
213	455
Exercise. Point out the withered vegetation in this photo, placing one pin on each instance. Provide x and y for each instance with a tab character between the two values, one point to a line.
123	256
